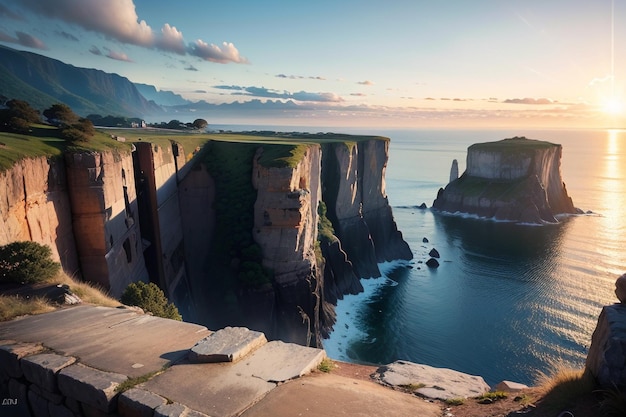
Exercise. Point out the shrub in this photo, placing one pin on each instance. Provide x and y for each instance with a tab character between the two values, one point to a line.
150	298
26	262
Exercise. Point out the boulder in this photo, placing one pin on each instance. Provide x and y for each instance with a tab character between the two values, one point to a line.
434	253
620	288
430	382
227	345
432	263
606	359
509	386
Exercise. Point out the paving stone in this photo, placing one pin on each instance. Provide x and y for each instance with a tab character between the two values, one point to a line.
138	403
439	383
170	410
11	354
90	386
41	369
226	345
278	361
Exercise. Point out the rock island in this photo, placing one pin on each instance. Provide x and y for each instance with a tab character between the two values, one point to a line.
515	179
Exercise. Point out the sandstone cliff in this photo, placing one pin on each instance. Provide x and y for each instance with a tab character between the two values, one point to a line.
514	179
34	205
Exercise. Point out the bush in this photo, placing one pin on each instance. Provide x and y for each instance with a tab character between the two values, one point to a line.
150	298
26	262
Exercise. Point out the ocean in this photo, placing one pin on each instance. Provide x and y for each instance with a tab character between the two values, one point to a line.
507	301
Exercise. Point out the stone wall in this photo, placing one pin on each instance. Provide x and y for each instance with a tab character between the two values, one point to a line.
37	382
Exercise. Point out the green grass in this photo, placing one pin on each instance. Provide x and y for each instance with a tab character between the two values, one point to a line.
412	387
515	144
455	401
326	365
492	396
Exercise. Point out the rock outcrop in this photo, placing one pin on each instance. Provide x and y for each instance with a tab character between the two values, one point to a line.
606	359
515	179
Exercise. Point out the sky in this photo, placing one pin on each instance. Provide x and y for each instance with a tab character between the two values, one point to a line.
405	63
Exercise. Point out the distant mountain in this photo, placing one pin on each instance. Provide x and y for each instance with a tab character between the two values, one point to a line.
161	97
43	81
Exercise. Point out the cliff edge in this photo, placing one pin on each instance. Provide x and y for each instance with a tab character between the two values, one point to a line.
516	179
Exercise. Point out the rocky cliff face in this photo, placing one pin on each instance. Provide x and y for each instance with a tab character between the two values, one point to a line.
514	179
354	192
105	218
34	205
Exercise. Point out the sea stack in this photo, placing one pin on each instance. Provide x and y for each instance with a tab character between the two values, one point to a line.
516	179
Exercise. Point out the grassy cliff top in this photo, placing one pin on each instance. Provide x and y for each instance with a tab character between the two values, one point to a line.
511	145
44	140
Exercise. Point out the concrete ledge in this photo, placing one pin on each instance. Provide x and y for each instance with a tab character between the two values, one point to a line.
90	386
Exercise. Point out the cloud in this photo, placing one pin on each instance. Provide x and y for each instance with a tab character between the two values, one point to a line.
5	12
95	50
358	94
301	77
191	68
118	20
118	56
602	80
366	82
67	36
23	39
211	52
171	39
528	100
270	93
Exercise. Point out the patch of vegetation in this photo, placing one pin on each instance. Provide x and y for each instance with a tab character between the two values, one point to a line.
517	143
563	386
326	365
14	306
282	156
150	298
26	263
230	164
133	382
492	396
325	230
455	401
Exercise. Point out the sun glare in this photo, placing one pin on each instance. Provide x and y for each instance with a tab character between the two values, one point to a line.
614	106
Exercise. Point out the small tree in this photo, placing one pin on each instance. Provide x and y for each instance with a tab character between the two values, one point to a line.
26	262
18	116
150	298
60	113
200	123
82	131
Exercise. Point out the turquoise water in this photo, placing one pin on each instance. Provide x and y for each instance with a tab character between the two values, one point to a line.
507	300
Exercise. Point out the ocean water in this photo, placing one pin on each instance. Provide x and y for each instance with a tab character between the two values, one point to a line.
507	300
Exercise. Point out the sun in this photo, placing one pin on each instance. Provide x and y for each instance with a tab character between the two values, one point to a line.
614	106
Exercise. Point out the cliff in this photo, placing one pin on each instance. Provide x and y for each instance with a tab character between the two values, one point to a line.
231	235
515	179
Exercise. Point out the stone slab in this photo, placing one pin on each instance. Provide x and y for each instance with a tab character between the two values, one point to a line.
227	345
439	383
138	403
510	386
10	355
331	395
278	361
90	386
216	389
607	353
41	369
176	410
118	340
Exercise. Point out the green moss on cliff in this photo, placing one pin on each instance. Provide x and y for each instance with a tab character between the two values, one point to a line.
282	156
514	144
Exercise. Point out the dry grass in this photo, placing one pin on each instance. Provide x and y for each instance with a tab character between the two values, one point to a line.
88	292
563	386
13	306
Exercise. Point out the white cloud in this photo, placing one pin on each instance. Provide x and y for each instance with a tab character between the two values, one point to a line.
171	39
119	56
23	39
366	82
211	52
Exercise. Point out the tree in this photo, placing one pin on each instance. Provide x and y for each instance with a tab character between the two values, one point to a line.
26	262
82	131
174	124
200	123
60	114
150	298
18	116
